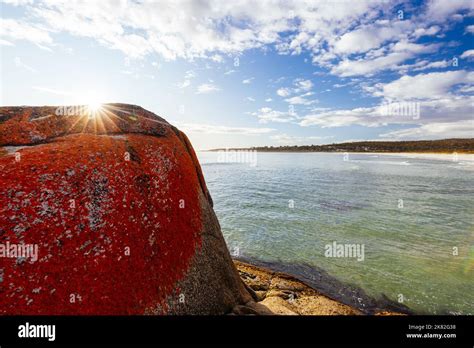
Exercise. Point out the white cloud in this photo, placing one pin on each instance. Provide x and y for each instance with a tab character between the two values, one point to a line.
437	65
441	9
470	29
368	37
285	139
135	45
52	91
247	81
460	129
209	28
217	58
303	85
423	86
299	86
301	99
337	118
435	94
184	84
5	43
188	76
283	92
331	32
207	88
399	52
371	37
435	29
267	114
467	89
268	100
13	30
18	2
469	54
20	64
214	129
444	110
424	65
172	29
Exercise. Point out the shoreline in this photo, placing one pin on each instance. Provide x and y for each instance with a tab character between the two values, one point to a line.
447	153
441	156
288	294
459	145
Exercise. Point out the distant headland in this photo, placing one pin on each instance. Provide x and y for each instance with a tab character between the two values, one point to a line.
462	146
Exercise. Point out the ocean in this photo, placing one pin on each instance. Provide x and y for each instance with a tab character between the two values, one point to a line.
393	227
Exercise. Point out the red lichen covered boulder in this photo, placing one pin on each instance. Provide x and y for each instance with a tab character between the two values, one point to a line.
107	212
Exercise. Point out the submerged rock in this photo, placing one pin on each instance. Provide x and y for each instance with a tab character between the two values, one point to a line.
116	204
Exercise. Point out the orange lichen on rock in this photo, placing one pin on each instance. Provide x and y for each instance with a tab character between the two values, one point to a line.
116	217
195	160
26	126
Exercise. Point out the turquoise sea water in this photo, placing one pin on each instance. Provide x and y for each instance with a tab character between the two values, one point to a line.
410	214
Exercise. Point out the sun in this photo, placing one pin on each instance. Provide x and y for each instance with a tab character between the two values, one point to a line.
94	106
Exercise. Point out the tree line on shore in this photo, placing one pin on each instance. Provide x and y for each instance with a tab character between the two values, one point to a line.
440	146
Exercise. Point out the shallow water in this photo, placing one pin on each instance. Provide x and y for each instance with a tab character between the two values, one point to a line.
410	213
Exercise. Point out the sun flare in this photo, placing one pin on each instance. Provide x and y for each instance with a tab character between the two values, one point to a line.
94	107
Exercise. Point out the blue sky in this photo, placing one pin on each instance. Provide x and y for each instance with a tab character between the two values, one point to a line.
250	73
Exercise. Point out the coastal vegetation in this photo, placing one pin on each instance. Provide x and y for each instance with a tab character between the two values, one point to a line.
465	146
